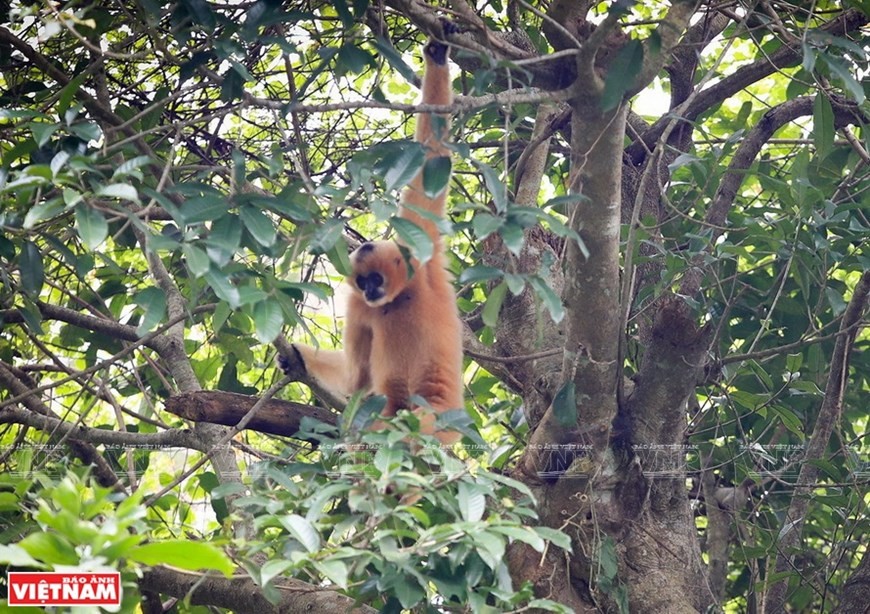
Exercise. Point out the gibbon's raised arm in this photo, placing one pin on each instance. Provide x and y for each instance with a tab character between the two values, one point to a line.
432	132
402	333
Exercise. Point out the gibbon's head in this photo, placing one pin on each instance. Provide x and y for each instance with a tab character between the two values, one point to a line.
380	272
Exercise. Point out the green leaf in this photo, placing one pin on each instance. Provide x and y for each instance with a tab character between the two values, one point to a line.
493	305
551	300
608	563
823	125
327	236
42	132
793	362
258	224
835	299
513	237
203	209
16	556
131	167
69	91
30	268
485	224
565	406
491	547
9	502
184	554
358	415
223	287
340	259
87	131
522	534
479	272
555	537
414	237
388	52
91	225
436	175
841	70
302	531
49	548
196	259
333	570
402	166
621	74
494	185
274	568
121	191
789	419
472	501
268	320
42	211
408	592
387	459
153	302
351	58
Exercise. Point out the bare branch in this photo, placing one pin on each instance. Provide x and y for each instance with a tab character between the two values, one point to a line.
173	438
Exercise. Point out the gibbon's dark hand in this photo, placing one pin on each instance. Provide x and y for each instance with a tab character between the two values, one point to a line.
292	364
438	50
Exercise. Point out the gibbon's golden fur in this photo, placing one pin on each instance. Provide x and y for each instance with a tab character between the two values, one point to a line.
402	334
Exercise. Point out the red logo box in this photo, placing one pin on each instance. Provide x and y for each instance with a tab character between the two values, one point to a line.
59	588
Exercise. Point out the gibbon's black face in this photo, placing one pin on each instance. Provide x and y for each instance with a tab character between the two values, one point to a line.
380	272
371	285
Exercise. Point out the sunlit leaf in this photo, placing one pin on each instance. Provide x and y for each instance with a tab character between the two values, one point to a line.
472	501
184	554
121	191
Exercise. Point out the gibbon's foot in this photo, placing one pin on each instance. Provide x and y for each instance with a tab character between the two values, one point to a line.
292	365
438	50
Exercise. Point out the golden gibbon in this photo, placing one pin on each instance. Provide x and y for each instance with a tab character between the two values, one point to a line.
402	333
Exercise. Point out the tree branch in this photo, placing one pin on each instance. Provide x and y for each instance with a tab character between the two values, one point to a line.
276	417
53	426
241	594
855	594
784	57
669	32
829	416
84	451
